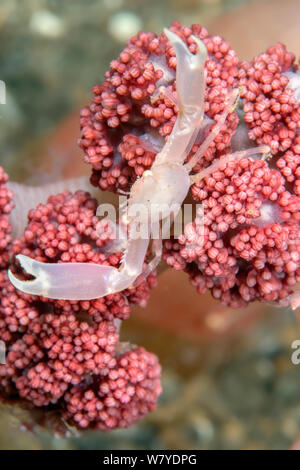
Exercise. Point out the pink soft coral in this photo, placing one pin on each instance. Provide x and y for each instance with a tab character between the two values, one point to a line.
67	355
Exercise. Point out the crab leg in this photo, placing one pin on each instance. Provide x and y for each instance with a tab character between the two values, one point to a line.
232	102
264	149
157	248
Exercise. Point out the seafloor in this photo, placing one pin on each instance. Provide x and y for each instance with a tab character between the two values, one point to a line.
228	379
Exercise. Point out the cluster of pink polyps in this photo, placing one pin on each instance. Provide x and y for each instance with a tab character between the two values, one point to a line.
251	239
135	108
66	354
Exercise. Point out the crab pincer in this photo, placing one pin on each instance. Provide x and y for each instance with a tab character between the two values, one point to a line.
53	280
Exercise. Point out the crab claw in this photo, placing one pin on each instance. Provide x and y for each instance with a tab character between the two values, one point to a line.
34	287
61	281
190	76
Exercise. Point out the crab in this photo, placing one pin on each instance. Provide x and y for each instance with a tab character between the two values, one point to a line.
158	191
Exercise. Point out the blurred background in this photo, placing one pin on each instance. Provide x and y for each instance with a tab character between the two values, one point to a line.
228	379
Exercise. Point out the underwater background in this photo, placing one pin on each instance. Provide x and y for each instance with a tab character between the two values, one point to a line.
228	379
